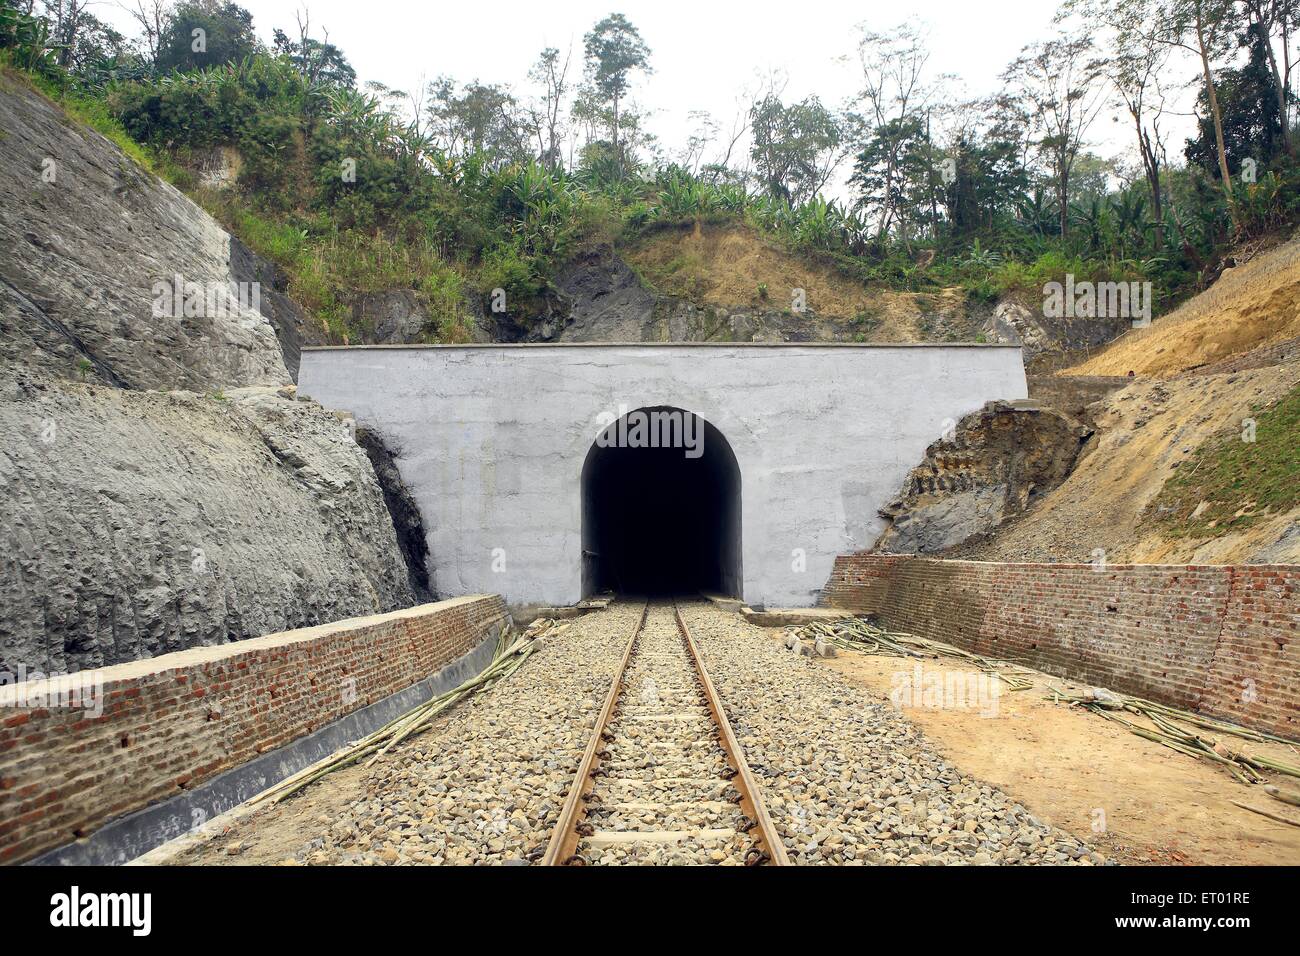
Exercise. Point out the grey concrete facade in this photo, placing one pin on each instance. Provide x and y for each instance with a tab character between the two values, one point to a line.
492	441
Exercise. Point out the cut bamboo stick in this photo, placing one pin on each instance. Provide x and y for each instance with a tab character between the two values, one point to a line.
511	652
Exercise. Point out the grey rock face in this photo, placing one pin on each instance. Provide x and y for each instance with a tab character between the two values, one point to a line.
135	520
947	520
397	316
86	234
607	301
407	520
1013	324
601	299
402	317
995	463
133	524
292	325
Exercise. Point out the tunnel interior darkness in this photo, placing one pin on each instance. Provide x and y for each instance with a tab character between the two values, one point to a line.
656	521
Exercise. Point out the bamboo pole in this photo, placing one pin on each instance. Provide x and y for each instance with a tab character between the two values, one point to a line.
511	652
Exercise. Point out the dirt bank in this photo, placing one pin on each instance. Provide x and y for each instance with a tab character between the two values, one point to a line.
1145	433
1082	773
1253	305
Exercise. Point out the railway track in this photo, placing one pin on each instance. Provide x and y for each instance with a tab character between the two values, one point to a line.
663	779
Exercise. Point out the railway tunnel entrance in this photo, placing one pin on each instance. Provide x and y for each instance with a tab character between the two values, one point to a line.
661	507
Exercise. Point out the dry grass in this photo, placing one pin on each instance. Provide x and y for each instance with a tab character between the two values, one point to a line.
726	265
731	266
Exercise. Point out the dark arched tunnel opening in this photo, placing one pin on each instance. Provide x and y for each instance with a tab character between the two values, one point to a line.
661	508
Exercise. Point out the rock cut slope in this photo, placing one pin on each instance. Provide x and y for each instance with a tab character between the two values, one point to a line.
138	523
161	486
86	235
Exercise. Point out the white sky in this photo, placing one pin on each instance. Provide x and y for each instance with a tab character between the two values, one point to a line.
703	52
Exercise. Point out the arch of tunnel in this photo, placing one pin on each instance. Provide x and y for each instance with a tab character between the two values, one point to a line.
754	465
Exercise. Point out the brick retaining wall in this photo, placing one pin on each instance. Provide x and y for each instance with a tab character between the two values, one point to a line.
1218	639
175	721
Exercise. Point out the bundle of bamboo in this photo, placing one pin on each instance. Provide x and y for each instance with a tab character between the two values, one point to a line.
1170	726
1165	730
858	634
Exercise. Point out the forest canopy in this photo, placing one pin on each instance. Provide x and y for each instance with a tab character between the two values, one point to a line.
465	186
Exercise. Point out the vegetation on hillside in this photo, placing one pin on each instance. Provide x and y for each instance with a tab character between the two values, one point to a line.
1230	484
459	190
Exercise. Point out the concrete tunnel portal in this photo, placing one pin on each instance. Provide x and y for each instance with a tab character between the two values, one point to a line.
500	448
661	507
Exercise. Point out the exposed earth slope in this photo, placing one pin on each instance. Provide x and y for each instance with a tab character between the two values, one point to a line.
759	290
1202	376
1146	432
1251	306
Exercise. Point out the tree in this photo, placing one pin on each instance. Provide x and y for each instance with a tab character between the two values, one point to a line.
1135	61
151	17
704	132
1092	178
480	119
795	149
720	170
1252	123
206	33
892	173
987	180
1286	15
1282	15
551	73
320	62
1057	80
614	52
895	97
68	18
1203	28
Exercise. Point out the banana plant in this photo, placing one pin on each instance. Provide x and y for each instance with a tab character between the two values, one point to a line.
28	38
1129	213
817	223
981	258
1037	212
1093	220
731	197
679	198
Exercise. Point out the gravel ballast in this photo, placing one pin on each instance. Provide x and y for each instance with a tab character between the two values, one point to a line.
483	785
847	779
662	796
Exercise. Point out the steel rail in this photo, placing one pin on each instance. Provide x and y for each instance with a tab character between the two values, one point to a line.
565	837
751	799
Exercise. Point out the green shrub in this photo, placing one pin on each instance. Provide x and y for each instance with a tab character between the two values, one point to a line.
505	268
444	291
